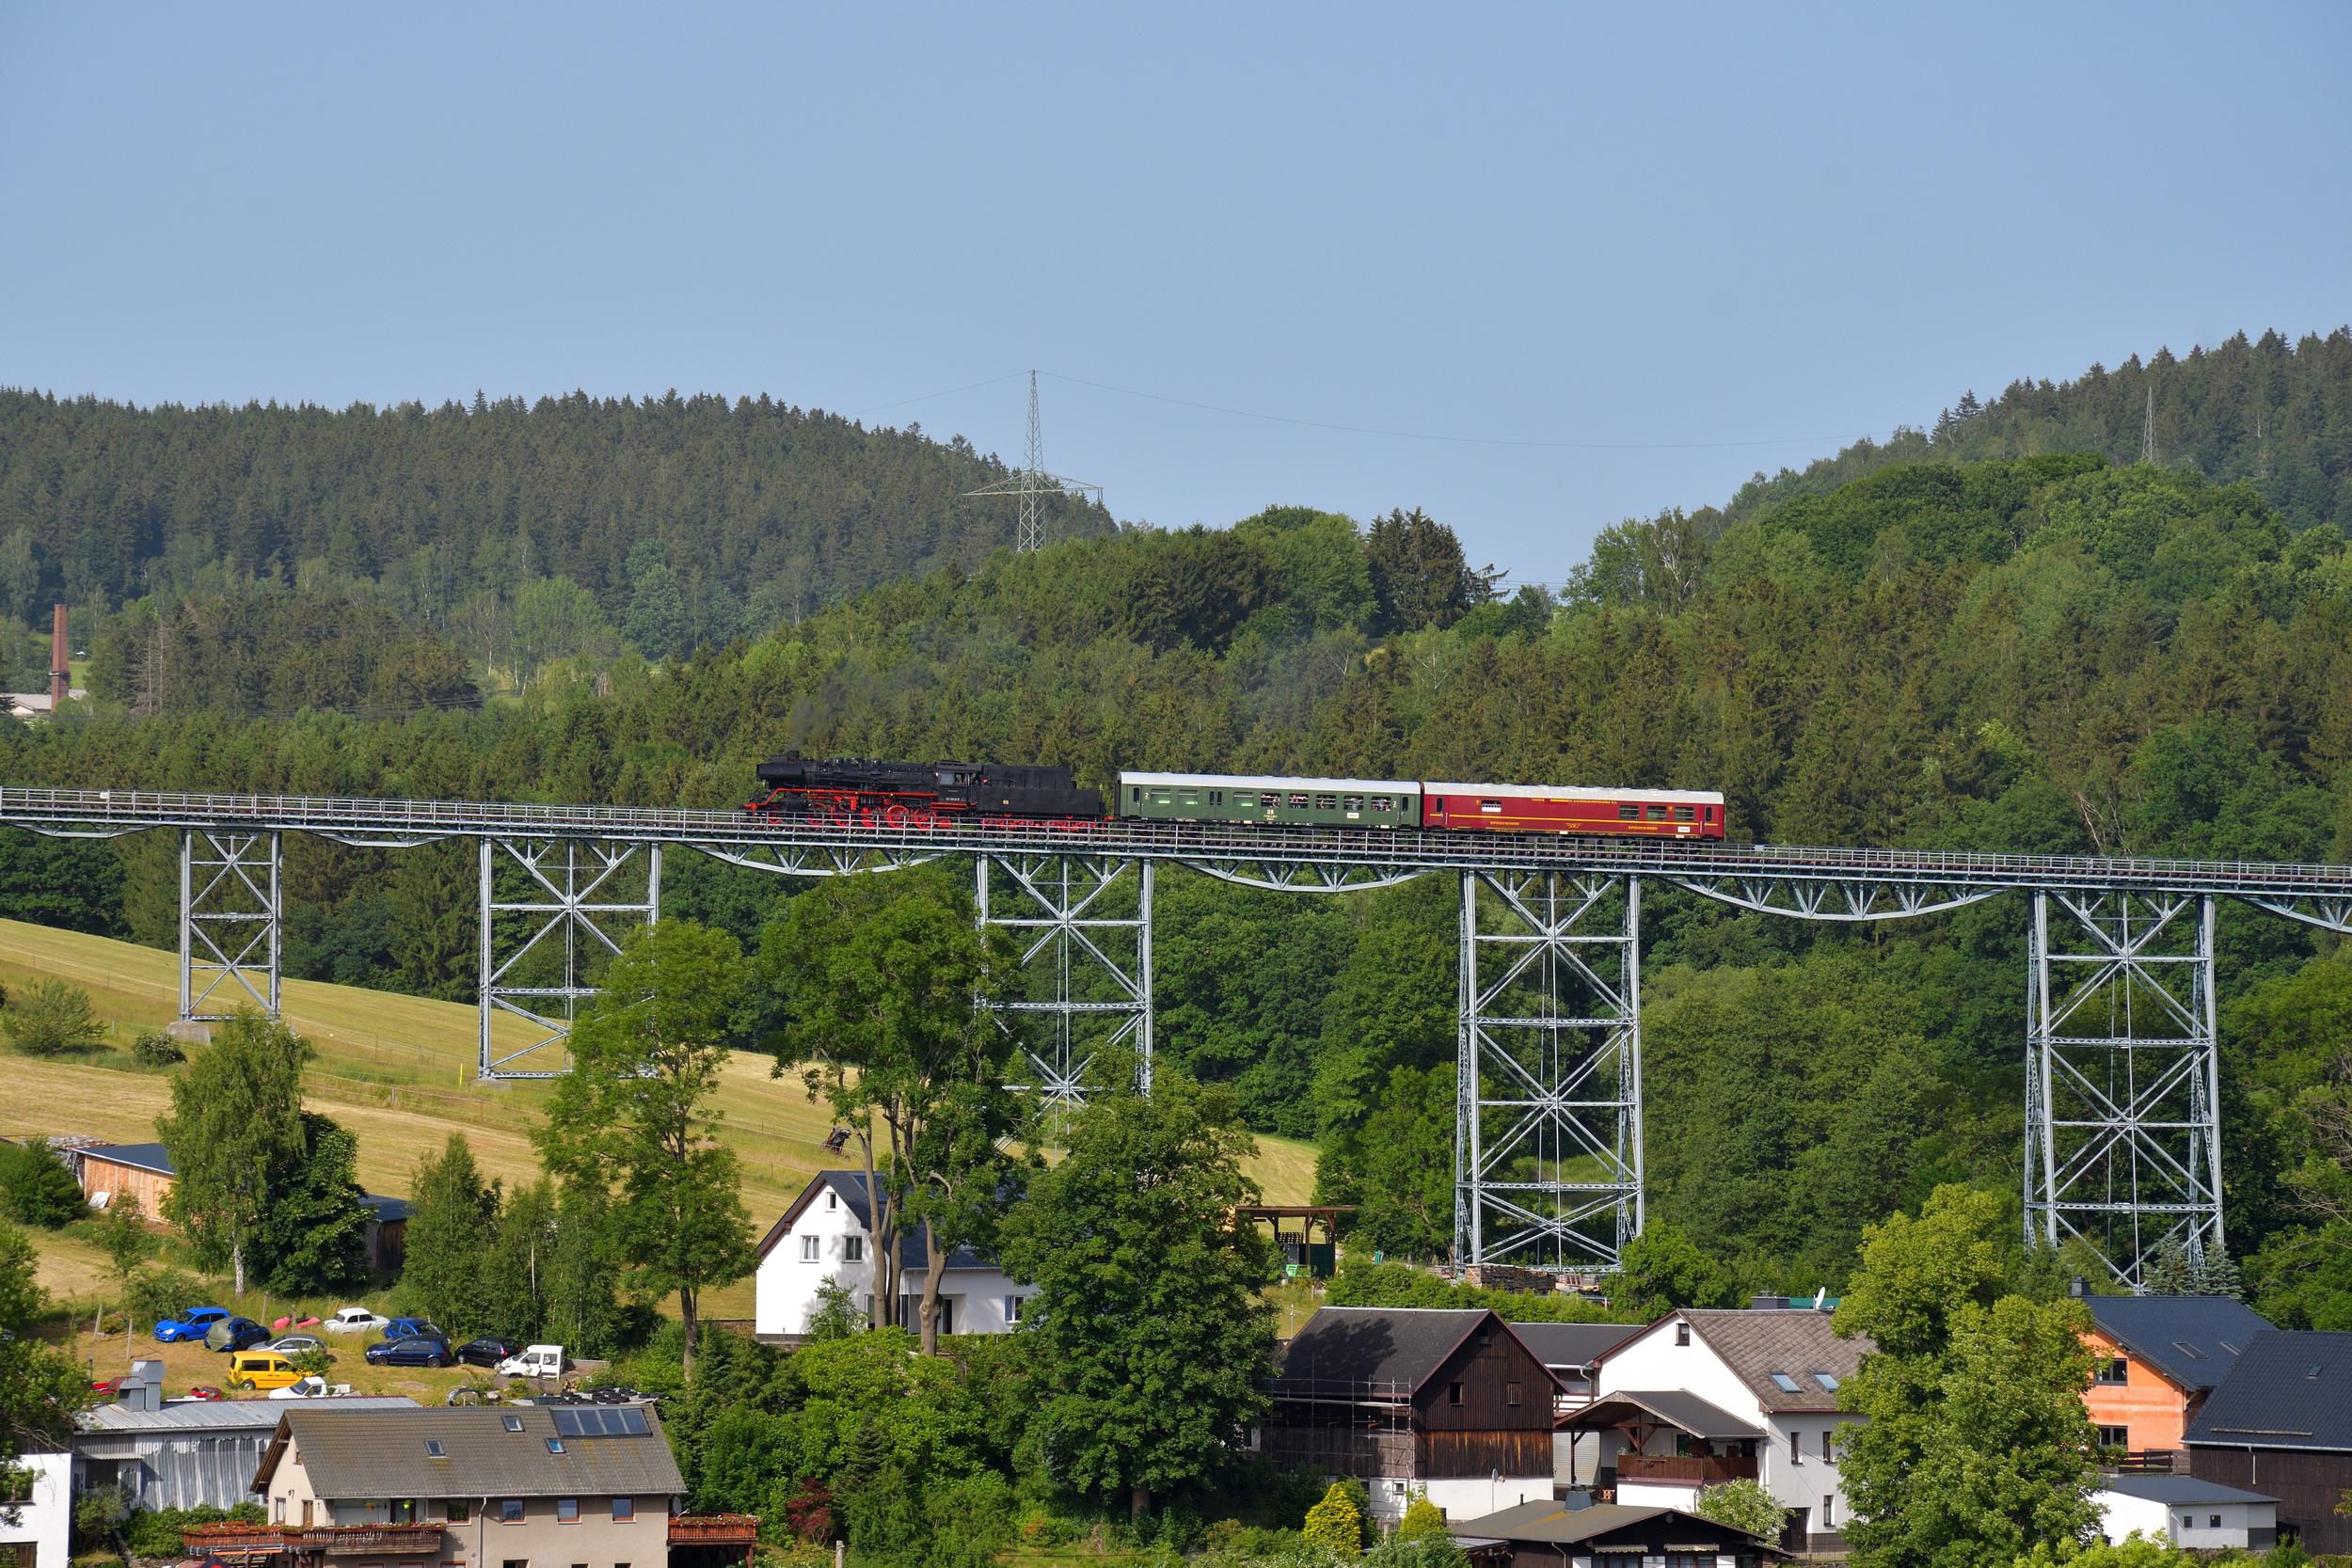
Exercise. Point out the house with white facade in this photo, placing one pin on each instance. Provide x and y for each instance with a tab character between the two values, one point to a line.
826	1233
36	1516
1702	1397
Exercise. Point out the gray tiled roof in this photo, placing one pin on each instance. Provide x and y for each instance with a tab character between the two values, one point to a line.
1756	1343
1401	1345
1572	1344
2194	1341
379	1453
2289	1390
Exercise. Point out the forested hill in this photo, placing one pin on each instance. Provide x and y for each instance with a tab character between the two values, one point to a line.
688	519
2051	654
2274	414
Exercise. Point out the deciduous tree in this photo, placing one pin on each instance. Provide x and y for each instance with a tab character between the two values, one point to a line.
634	1114
1152	1338
236	1116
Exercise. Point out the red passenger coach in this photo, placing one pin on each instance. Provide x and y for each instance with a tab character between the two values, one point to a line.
1676	814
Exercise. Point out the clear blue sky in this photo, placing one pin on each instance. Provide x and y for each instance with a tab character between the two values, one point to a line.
1665	230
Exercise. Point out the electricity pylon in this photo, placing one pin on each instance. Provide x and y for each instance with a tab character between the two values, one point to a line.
1031	480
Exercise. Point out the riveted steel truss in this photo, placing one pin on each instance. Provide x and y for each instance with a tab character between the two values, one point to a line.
1302	875
1083	925
1834	899
813	859
2123	1087
2330	914
1548	1084
228	923
554	910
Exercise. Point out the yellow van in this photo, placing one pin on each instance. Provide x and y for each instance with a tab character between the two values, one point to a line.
261	1368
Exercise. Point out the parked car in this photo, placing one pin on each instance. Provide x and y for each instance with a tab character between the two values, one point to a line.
296	1344
409	1328
418	1349
489	1351
353	1319
189	1322
234	1334
310	1387
535	1361
261	1368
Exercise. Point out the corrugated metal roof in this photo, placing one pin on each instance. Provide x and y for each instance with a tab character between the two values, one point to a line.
2180	1489
148	1157
1676	1407
219	1415
1575	792
486	1451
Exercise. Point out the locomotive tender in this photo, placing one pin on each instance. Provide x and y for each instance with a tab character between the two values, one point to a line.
925	795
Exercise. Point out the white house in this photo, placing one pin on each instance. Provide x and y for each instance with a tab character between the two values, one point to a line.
38	1519
2201	1516
825	1234
1701	1398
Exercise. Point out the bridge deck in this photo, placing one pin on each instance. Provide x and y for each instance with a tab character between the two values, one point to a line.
1398	850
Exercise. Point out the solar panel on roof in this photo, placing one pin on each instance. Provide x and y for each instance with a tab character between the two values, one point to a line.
588	1420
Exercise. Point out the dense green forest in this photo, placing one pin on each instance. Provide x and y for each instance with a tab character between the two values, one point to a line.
2046	652
515	531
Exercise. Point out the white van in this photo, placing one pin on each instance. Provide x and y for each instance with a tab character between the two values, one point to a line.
535	1361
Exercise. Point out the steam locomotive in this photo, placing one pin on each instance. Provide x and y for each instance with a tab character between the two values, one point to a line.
917	796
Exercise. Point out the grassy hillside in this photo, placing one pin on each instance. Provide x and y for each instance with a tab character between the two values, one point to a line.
397	1071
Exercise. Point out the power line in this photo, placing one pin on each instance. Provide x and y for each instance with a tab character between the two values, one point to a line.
926	397
1461	440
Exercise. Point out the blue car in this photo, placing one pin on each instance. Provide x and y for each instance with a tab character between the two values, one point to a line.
412	1328
192	1322
417	1349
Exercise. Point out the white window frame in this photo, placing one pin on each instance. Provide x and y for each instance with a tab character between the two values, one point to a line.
812	1249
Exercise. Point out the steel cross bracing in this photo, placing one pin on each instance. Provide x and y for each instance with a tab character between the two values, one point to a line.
2122	1076
553	910
1082	927
2123	1140
230	904
1547	1078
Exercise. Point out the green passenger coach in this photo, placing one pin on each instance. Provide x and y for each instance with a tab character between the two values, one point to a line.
1229	798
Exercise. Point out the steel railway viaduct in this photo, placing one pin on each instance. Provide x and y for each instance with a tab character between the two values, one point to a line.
2122	1126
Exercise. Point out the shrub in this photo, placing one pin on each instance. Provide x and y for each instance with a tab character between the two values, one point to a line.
37	1189
51	1019
154	1048
1417	1551
1336	1524
1743	1505
1422	1518
157	1293
155	1532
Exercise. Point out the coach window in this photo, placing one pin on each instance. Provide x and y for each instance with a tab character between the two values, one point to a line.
1355	803
1135	793
1493	808
1300	802
1216	796
1327	803
1381	803
1192	798
1628	812
1686	814
1657	814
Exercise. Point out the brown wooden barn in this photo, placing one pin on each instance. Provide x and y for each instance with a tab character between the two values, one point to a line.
1447	1403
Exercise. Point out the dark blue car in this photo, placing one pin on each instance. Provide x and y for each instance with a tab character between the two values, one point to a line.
418	1349
411	1328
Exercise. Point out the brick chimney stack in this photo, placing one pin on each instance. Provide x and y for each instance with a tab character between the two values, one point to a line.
60	677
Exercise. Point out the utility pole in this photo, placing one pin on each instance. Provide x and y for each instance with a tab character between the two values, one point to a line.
1031	483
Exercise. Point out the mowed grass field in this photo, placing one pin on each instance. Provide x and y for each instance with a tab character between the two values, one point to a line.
398	1072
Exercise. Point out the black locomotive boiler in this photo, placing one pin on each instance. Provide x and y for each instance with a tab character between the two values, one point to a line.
918	794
